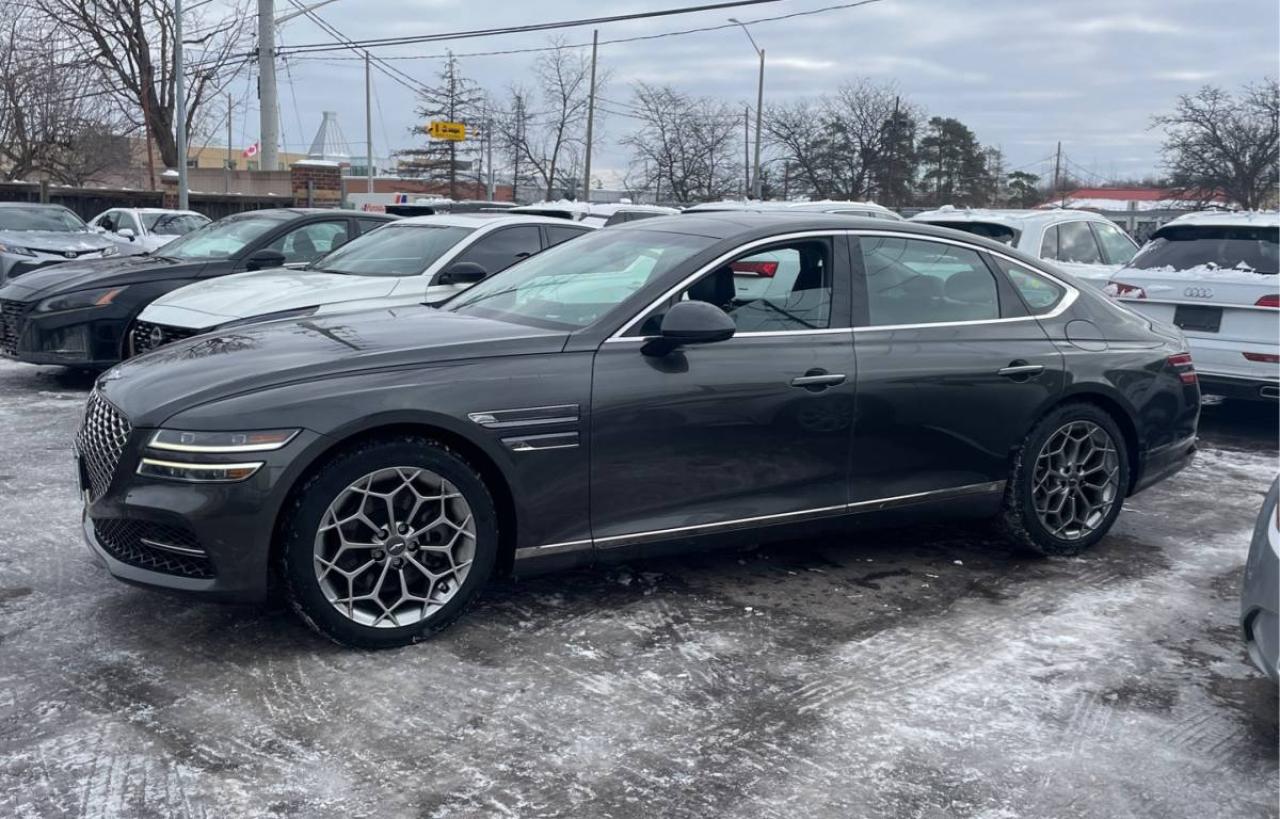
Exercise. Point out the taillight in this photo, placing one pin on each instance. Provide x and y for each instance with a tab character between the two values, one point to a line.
765	269
1181	363
1265	358
1124	291
1272	301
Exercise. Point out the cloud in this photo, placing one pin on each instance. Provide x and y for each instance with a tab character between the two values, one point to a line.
1125	24
1185	75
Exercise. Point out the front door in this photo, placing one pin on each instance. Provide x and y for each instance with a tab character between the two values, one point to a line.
740	432
952	368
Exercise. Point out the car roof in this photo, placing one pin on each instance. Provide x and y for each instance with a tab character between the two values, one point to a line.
1014	218
33	205
749	224
817	206
480	219
1224	218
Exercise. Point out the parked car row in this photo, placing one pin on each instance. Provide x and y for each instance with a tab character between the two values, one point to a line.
580	394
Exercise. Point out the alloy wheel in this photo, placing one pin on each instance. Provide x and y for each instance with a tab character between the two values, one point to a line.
394	547
1076	480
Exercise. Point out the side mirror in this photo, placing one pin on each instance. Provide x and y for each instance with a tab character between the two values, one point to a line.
126	233
463	273
690	322
264	258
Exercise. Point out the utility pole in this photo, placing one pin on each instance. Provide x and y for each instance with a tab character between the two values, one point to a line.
1057	168
519	146
490	189
746	151
756	185
180	99
368	120
269	124
888	192
591	115
227	162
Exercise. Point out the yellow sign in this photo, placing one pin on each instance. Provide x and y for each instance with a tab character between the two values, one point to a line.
452	131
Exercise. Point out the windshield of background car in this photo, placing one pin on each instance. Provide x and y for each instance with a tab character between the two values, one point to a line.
991	230
571	285
221	239
173	224
394	250
1191	246
58	220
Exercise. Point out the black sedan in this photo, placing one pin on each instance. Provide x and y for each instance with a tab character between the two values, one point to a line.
682	380
76	314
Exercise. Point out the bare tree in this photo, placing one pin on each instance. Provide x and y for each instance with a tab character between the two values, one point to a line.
454	98
1217	142
685	147
54	120
549	143
130	44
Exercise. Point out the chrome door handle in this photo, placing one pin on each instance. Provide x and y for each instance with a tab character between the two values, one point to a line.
823	380
1021	369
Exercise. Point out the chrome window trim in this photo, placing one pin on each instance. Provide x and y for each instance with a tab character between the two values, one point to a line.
1069	298
876	504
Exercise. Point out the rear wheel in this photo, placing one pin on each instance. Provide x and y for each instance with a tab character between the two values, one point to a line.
1068	482
389	543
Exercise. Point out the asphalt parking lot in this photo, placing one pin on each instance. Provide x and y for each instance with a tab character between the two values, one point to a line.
919	672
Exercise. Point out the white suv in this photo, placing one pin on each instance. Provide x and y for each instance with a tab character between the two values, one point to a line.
1215	275
1086	245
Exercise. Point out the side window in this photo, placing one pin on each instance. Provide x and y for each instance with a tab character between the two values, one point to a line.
1049	244
1076	244
557	234
1040	294
1116	246
503	248
916	281
367	225
107	221
784	288
125	219
310	242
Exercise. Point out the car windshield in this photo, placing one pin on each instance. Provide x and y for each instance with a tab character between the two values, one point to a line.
991	230
173	224
1191	246
394	250
573	284
58	220
221	239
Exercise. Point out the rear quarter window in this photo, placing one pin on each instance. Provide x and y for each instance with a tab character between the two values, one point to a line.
1040	294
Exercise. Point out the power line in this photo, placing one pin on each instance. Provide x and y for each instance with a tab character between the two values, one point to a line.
522	29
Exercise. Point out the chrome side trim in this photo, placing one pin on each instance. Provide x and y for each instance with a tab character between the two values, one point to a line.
875	505
526	416
169	547
542	443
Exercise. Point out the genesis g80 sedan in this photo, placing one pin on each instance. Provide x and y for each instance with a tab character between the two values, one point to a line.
624	393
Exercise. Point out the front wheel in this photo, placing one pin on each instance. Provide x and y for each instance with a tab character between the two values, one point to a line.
389	542
1068	482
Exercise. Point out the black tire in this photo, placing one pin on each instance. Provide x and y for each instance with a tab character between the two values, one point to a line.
1020	523
311	503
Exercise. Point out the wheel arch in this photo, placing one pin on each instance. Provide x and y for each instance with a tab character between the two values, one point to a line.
1114	405
397	424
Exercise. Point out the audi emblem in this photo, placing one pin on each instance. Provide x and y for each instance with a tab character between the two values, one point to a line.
1198	292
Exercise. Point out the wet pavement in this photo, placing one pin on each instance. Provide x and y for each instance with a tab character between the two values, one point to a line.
918	672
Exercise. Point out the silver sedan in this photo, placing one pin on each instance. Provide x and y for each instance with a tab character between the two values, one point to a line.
1258	599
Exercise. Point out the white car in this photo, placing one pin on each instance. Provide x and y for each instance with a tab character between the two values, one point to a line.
1215	275
1088	246
847	208
143	230
423	259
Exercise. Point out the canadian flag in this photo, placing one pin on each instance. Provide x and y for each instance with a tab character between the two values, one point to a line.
252	150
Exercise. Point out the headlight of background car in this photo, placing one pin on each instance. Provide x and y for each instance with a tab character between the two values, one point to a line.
15	250
79	299
266	440
110	250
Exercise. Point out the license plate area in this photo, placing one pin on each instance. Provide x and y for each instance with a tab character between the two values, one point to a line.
1198	318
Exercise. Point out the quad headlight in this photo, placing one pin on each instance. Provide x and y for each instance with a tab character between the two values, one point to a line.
79	300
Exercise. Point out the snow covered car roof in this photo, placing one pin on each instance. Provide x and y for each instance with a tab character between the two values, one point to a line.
819	206
1020	219
479	219
1224	218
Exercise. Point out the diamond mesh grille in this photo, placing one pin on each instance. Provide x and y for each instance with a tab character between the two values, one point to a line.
101	442
123	540
11	316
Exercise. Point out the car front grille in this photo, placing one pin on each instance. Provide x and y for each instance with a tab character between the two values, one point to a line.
100	442
156	547
145	336
12	316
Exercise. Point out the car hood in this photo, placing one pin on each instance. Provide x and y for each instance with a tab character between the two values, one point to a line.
152	387
244	295
56	241
114	270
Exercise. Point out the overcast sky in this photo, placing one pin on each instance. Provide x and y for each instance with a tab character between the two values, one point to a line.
1021	73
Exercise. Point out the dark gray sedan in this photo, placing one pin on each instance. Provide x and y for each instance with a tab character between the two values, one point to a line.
681	381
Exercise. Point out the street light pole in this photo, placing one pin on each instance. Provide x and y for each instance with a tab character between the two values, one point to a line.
268	123
756	186
180	103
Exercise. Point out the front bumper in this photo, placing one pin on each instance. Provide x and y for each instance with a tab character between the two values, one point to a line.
222	531
88	338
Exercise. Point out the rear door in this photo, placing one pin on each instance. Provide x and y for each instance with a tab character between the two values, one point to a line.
952	368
